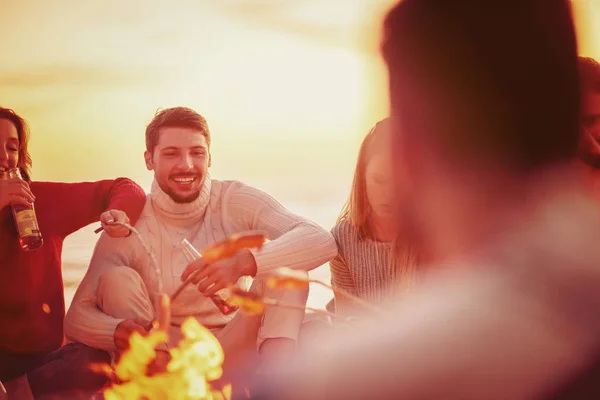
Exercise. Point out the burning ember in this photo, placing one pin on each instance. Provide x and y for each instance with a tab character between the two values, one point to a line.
248	302
228	247
287	278
195	363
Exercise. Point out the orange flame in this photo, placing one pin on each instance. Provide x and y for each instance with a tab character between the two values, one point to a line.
287	278
228	247
194	364
248	302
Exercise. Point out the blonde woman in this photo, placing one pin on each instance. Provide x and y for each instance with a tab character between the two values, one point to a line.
373	261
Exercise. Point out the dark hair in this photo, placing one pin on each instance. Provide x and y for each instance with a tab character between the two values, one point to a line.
589	74
176	117
25	162
494	79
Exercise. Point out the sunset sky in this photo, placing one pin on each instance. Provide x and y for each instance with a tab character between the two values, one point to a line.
288	87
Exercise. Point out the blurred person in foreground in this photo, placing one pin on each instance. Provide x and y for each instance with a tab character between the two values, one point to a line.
488	103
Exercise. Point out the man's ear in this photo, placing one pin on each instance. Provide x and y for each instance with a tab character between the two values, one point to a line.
209	160
148	159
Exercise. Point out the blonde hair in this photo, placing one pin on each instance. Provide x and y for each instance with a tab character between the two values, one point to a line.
357	209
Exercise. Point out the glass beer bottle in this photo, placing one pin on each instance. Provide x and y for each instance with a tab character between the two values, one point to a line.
219	298
30	237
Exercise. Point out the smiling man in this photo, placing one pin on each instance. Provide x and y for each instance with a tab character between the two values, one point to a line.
117	295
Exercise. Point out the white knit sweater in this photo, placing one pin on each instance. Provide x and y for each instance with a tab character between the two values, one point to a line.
223	209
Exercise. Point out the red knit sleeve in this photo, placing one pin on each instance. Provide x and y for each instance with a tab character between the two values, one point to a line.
82	203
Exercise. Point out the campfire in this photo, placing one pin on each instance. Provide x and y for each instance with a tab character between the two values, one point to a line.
194	365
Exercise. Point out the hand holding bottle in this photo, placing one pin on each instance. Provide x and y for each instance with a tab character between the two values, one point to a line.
21	200
212	277
15	190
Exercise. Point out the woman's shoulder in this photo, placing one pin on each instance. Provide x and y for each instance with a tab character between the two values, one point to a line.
345	230
347	236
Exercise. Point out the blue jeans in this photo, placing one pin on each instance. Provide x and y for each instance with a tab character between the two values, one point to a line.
63	373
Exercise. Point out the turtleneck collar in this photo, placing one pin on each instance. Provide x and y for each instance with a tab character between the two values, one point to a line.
164	205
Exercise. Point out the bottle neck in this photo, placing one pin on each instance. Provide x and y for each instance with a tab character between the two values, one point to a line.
14	173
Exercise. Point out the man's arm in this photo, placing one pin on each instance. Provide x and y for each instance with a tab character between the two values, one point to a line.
85	322
294	242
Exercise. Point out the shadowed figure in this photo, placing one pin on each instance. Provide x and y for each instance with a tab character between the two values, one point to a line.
487	99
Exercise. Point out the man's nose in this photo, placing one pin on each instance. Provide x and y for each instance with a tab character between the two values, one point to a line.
186	162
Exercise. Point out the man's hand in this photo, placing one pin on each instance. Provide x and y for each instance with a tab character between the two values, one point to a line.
108	219
221	274
126	328
159	364
15	190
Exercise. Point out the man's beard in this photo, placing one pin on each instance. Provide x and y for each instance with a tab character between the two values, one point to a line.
184	200
190	198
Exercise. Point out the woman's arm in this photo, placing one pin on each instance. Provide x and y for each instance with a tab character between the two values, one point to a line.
80	204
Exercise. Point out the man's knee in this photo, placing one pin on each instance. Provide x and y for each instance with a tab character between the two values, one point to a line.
122	294
118	278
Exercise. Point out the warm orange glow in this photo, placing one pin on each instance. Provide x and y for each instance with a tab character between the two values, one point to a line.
287	278
46	308
231	245
276	83
194	365
587	22
249	303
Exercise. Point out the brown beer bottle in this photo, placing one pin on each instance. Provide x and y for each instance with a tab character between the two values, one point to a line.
30	237
219	298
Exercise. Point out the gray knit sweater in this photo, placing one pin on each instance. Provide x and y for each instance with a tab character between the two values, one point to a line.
362	267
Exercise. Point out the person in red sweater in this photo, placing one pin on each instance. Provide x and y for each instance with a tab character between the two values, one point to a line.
32	306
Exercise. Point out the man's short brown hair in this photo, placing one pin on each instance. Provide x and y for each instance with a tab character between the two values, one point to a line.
176	117
589	74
